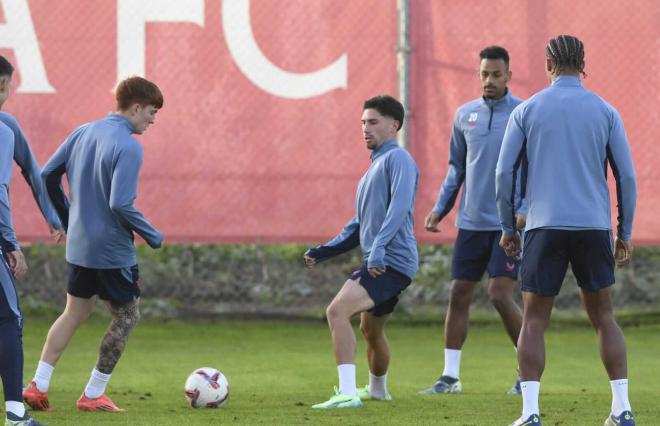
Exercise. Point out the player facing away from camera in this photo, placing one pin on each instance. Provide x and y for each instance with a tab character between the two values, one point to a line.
24	157
474	147
561	141
102	161
12	265
383	228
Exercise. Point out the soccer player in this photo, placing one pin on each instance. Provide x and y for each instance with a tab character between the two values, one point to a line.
102	161
475	143
12	265
562	139
24	157
383	228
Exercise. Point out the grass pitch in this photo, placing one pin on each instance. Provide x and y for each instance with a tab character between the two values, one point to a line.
277	370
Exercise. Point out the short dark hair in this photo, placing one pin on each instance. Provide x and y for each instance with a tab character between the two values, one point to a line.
6	68
386	106
138	90
566	53
495	52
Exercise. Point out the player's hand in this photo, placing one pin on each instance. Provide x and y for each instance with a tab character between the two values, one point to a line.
511	245
57	234
521	221
623	250
431	222
309	261
17	263
375	272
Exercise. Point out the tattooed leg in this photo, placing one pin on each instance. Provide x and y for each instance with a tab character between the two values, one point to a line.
124	318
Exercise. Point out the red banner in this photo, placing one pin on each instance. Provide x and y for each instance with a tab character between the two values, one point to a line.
259	138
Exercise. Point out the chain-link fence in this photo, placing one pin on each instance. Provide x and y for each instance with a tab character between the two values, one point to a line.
259	139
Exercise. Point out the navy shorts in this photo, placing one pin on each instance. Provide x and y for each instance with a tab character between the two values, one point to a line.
118	286
548	252
476	252
384	290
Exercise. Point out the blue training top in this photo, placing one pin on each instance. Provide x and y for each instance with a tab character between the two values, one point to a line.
7	234
383	224
474	147
561	140
30	170
102	162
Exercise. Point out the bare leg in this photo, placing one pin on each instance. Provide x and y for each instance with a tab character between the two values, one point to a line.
500	292
612	343
458	313
378	349
351	299
75	313
531	345
124	318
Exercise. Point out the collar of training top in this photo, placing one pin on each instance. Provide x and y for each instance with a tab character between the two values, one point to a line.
118	118
494	102
386	146
567	81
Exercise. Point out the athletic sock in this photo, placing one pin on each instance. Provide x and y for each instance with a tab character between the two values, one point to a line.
96	385
620	401
15	407
42	376
452	363
530	395
347	379
378	386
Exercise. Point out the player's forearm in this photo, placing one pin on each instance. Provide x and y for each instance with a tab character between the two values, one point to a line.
503	197
7	234
347	240
136	221
53	183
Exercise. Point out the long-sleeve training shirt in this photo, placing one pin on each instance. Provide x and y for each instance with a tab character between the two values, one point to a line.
30	170
562	139
383	223
102	162
7	234
474	147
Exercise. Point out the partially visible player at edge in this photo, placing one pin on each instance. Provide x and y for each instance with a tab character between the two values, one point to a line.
24	157
474	147
383	228
562	140
102	162
12	265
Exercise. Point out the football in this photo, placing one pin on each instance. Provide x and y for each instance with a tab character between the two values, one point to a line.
206	388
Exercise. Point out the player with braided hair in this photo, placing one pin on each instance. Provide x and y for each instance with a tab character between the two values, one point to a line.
569	129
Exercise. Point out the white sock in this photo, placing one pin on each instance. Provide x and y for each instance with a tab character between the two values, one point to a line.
378	386
96	385
530	394
42	376
452	363
15	407
620	401
347	379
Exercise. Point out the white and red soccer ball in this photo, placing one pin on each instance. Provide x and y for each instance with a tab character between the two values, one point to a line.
206	388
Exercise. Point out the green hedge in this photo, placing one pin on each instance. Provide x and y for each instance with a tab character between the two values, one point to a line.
200	281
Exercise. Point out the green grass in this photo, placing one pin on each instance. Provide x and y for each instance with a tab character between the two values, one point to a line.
277	370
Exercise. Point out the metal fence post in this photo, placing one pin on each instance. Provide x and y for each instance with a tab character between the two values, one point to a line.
403	66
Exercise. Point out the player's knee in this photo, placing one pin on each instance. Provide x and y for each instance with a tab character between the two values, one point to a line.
129	315
460	294
499	297
368	333
133	316
75	316
332	313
